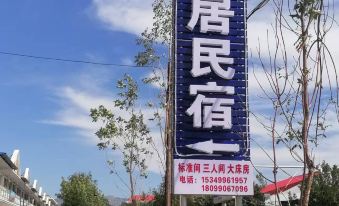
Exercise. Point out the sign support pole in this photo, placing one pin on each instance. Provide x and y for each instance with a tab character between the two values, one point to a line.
209	101
169	139
238	201
183	200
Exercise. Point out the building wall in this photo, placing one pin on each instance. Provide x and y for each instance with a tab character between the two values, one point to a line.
16	190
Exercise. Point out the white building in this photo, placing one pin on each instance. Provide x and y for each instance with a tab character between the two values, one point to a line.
16	189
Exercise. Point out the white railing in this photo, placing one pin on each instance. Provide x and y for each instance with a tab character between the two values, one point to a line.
10	198
4	195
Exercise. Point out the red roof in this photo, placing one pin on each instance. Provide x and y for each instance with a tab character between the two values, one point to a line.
282	185
142	198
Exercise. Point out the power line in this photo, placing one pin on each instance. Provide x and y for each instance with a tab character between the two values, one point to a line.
68	60
259	6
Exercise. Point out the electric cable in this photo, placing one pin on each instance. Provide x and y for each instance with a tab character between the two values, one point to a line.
68	60
259	6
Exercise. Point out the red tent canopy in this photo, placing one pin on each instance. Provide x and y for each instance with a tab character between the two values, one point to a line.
282	185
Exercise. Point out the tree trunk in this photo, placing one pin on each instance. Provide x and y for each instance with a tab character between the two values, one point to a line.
275	169
131	182
307	185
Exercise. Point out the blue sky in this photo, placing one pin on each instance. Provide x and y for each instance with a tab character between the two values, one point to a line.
39	116
45	105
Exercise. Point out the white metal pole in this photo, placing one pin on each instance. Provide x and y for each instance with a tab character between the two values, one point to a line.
183	200
238	201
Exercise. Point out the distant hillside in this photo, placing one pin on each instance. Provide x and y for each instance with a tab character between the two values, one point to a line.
115	201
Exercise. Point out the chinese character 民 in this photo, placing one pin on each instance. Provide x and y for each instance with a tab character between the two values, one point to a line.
213	52
214	15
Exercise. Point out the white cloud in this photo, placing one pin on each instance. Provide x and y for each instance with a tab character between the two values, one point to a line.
74	111
156	161
259	27
127	61
83	100
328	150
132	16
324	152
161	74
284	157
261	35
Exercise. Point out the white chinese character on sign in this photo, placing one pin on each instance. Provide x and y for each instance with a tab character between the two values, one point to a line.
212	51
214	15
216	111
211	87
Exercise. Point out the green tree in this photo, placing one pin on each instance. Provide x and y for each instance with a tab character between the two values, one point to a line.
124	130
160	36
156	45
258	199
81	190
160	199
206	200
301	85
325	190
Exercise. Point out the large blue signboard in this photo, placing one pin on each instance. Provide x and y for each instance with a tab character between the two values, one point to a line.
211	154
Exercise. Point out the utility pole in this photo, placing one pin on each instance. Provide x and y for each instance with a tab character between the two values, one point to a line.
170	115
169	140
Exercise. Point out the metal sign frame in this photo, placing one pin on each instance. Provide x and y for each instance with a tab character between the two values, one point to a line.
217	137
